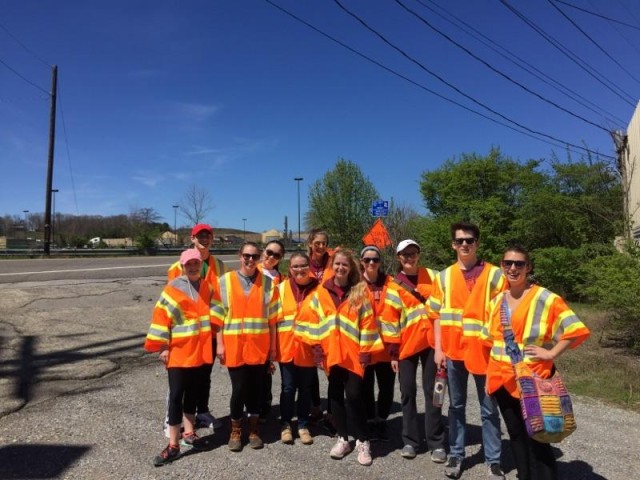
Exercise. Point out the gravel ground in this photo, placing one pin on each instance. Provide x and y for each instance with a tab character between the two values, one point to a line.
96	409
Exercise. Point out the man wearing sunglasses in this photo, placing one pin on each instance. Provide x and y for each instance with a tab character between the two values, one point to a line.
458	307
212	268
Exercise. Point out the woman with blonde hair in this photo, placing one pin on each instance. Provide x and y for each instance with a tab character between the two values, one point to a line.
343	339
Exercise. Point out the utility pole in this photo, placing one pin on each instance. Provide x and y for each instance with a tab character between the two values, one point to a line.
175	216
52	140
244	229
286	230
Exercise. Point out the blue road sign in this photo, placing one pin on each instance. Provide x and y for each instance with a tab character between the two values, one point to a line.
380	208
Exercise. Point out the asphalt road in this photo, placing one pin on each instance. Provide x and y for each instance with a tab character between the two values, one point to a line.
79	399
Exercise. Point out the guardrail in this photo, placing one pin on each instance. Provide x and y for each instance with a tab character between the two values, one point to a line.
102	252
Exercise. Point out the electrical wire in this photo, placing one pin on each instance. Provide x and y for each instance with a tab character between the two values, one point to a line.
573	57
521	63
555	143
66	142
570	20
27	49
449	84
597	14
24	78
497	71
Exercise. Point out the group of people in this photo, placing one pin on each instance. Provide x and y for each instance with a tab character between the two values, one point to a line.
340	313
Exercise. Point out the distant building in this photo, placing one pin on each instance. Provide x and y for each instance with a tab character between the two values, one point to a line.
632	172
270	235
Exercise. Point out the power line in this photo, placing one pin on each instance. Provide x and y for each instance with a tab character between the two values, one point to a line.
498	72
27	49
523	64
592	40
66	142
573	57
24	78
449	84
535	136
597	14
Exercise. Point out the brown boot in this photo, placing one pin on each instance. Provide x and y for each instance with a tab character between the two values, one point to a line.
235	439
255	441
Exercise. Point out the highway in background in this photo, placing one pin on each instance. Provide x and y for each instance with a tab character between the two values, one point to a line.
38	270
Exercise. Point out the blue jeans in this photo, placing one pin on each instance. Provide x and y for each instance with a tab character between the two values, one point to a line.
491	441
300	379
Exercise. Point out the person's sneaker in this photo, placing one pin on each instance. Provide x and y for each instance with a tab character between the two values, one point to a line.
438	455
305	436
453	467
364	453
286	435
192	440
167	455
340	449
495	471
207	420
408	452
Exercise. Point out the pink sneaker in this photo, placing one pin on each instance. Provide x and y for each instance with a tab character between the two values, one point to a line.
364	453
340	449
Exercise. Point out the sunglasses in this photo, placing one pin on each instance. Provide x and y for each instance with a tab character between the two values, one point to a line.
468	241
516	263
271	253
251	256
371	260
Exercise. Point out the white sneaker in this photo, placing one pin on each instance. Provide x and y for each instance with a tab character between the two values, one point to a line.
340	449
206	420
364	453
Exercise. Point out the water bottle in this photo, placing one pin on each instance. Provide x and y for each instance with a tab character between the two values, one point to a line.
440	387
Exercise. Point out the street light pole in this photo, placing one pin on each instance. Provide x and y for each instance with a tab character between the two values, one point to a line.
175	230
53	219
244	229
298	180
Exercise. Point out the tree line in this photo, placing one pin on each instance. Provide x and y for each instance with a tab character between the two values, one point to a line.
568	214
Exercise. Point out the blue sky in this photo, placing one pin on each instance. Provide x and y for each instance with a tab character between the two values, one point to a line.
239	98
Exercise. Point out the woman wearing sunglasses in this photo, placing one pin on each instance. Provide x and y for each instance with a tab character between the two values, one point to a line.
247	342
543	327
295	357
384	364
271	256
343	338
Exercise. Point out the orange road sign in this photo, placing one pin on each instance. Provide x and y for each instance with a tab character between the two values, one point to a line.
378	235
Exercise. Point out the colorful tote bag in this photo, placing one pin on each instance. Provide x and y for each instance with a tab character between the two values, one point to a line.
545	403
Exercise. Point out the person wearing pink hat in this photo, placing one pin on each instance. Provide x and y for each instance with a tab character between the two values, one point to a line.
180	331
211	269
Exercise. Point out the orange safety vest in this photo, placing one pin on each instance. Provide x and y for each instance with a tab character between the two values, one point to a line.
291	347
343	332
246	318
462	313
542	318
182	321
215	268
383	319
408	322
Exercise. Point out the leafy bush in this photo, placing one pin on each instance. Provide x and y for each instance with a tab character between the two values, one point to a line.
613	282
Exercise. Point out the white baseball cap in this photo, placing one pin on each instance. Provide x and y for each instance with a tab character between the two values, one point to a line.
406	243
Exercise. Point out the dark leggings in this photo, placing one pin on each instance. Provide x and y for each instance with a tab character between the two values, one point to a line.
533	459
349	415
246	389
386	377
202	405
185	387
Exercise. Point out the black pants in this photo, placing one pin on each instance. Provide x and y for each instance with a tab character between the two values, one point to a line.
433	424
203	400
534	460
349	416
386	377
246	389
267	394
185	387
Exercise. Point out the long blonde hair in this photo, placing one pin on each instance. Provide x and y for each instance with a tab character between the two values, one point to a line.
358	285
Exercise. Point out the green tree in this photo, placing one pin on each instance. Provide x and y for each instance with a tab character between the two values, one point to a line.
340	203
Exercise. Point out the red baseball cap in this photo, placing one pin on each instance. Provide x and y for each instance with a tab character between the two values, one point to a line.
201	227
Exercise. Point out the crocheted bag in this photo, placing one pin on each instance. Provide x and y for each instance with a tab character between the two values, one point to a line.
545	403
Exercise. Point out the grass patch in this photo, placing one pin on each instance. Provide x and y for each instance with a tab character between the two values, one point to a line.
600	371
